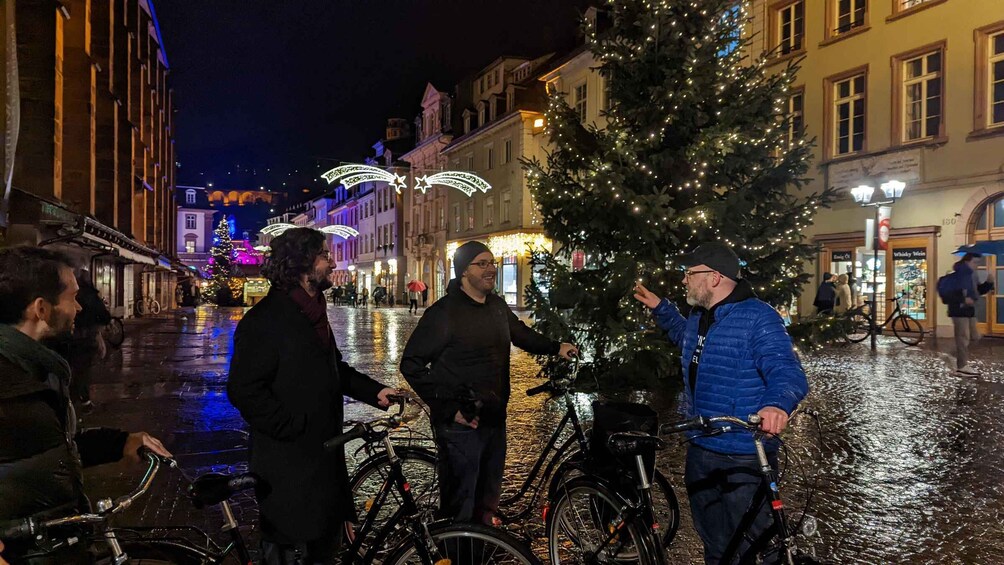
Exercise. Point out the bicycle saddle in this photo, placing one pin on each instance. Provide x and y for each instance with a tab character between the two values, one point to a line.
214	488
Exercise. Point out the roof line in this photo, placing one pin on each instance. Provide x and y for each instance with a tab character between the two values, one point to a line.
156	26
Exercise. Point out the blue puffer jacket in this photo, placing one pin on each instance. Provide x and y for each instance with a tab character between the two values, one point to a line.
748	363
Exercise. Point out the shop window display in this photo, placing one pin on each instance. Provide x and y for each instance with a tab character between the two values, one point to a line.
910	280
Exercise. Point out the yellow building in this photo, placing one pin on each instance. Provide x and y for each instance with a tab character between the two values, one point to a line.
907	90
502	121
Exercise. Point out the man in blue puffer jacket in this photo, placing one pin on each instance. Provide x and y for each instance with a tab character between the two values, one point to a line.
737	360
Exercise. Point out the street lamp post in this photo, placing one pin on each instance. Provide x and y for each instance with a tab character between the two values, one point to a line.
892	190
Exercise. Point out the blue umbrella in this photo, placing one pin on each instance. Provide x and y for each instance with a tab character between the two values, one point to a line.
982	248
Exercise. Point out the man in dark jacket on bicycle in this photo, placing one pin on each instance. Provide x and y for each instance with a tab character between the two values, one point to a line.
288	380
42	452
457	360
737	360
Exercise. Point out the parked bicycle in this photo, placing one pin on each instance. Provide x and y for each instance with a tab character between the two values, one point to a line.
147	305
178	545
114	332
906	328
416	538
558	461
592	521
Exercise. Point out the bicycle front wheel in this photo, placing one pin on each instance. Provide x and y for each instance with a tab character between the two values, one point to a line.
907	329
859	328
589	523
140	308
467	544
418	465
154	307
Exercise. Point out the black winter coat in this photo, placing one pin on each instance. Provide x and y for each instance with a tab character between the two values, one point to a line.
461	349
41	452
290	391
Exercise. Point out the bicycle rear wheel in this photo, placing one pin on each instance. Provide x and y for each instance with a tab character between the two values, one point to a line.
467	544
907	329
588	518
859	328
154	307
140	308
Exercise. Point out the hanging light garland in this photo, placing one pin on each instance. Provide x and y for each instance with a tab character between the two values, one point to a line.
352	175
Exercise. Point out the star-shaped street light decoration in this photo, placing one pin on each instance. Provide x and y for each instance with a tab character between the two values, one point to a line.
422	183
399	183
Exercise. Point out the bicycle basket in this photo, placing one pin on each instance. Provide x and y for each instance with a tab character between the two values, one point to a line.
613	417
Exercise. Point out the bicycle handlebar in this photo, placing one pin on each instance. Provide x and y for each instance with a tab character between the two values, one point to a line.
366	430
752	423
557	386
29	527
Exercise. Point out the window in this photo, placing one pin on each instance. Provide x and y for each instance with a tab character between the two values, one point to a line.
789	27
918	79
456	217
441	213
989	112
467	123
796	117
497	77
470	214
607	100
470	161
580	101
489	210
847	120
506	197
850	14
902	5
189	246
507	152
189	197
489	157
190	221
481	116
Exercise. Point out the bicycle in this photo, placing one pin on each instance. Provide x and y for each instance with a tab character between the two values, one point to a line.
625	529
422	541
147	305
558	461
906	328
114	332
145	545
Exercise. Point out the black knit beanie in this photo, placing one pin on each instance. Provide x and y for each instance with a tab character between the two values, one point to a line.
465	254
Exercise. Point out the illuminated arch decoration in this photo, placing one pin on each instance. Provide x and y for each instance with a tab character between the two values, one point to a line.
351	175
468	183
341	231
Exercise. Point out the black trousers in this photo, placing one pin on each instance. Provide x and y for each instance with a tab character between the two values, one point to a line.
323	551
471	463
413	304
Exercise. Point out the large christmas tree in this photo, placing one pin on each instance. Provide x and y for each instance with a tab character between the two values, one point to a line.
695	148
221	266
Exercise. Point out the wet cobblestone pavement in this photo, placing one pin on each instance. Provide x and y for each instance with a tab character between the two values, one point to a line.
910	469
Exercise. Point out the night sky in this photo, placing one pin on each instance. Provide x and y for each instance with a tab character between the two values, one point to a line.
278	86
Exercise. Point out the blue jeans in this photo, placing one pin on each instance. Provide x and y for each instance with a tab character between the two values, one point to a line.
721	488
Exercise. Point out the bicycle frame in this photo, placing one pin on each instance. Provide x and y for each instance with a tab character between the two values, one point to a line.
407	511
578	437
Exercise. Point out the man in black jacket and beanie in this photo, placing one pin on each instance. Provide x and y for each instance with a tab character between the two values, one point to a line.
457	360
288	379
42	453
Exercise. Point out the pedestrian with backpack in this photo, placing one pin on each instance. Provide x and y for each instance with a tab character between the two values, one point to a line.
960	290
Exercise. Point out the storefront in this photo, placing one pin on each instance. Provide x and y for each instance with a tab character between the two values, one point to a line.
907	269
513	252
989	226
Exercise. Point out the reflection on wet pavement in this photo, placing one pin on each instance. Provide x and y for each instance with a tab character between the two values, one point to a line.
909	470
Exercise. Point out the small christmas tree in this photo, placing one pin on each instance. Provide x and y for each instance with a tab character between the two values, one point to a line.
695	148
221	264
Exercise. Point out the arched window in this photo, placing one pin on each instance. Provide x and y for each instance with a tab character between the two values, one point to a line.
189	197
989	226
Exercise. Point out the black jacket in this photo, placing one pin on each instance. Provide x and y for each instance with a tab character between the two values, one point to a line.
290	391
41	452
461	349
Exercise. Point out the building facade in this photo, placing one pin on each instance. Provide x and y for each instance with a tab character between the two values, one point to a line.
426	231
195	227
95	153
900	90
501	120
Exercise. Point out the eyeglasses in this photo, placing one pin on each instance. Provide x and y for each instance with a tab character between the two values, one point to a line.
483	264
688	274
325	254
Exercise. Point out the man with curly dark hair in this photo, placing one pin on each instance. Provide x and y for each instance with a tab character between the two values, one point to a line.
287	379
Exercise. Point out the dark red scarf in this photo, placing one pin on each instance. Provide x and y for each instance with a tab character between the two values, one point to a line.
316	310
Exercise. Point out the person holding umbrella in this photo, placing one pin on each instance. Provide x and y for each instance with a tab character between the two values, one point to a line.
415	289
